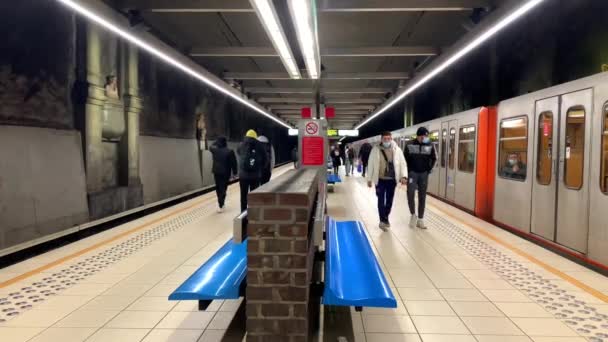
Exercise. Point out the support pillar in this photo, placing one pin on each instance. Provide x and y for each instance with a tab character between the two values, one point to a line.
94	112
133	109
280	258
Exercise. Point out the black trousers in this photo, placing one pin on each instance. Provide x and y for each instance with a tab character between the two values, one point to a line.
364	169
336	169
385	190
247	185
266	176
221	186
417	181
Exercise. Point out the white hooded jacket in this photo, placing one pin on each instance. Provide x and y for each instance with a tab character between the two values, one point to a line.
373	166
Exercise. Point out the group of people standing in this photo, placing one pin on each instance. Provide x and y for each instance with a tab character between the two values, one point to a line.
256	161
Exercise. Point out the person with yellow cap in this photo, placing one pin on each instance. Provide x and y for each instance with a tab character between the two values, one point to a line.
252	159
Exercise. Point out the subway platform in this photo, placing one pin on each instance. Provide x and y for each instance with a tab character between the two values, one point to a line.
460	280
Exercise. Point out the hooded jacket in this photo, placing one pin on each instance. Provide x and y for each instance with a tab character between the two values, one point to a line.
256	146
224	159
373	165
270	162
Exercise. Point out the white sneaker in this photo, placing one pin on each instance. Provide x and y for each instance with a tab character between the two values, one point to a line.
413	221
421	224
220	210
383	226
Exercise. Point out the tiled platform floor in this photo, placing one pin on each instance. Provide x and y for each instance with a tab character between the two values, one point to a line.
452	282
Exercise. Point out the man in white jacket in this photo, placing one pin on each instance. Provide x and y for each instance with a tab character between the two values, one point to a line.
386	167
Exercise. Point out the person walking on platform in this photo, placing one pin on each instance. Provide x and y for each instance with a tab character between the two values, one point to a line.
224	166
336	159
269	165
364	152
420	156
349	160
294	157
251	160
387	166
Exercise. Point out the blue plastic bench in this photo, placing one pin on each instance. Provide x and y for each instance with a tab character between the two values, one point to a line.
333	178
353	276
221	277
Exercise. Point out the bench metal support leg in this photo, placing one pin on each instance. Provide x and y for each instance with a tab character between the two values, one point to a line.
203	304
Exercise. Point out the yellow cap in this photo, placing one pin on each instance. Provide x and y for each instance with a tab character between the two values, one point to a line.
252	134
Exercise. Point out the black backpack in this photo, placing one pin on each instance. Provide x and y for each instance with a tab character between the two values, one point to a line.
251	159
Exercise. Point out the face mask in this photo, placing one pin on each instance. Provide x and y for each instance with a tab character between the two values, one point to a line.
386	144
512	161
426	140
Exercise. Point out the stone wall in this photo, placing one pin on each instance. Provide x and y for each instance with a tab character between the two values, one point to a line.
57	71
42	183
280	258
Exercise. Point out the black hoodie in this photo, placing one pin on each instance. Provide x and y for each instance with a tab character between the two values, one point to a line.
224	159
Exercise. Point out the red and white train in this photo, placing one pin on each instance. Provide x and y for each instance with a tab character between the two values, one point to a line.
536	165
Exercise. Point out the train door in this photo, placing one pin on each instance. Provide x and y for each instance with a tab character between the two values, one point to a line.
544	186
573	186
451	161
442	159
434	176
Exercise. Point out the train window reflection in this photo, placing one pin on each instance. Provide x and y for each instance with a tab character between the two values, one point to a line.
545	148
466	149
574	153
513	148
452	148
604	173
444	136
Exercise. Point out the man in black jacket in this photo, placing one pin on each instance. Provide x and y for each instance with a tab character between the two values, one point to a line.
420	157
224	165
364	152
252	159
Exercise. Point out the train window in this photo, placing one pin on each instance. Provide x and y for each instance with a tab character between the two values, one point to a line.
452	148
444	137
604	173
545	144
435	139
513	148
574	153
466	149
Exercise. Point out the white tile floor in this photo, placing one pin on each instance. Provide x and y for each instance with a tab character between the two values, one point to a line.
444	292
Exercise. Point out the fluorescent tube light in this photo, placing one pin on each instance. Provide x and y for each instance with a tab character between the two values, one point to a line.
456	57
107	24
293	132
268	16
304	18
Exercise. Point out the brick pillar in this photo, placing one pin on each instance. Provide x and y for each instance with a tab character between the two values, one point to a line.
280	258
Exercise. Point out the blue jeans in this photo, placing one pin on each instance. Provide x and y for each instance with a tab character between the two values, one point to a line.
385	190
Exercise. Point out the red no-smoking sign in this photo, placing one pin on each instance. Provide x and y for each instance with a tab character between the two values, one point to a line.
312	128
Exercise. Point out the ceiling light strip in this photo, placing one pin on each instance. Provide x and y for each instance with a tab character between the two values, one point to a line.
166	57
268	16
519	12
303	14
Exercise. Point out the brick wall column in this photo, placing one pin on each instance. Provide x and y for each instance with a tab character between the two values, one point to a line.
280	258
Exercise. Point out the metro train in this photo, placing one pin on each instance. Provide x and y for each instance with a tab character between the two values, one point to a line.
536	165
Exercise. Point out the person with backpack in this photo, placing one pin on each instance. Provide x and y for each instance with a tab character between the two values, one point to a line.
224	165
364	152
387	166
251	160
270	160
349	160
